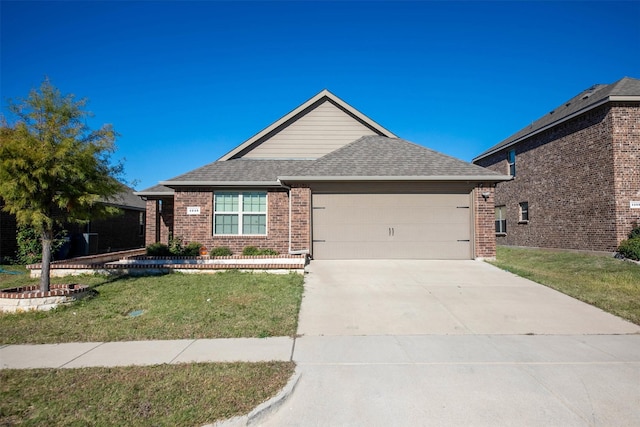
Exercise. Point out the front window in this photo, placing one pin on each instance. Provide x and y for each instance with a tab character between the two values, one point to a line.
524	212
240	213
511	159
501	219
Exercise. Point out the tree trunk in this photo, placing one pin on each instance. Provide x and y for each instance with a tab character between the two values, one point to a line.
45	280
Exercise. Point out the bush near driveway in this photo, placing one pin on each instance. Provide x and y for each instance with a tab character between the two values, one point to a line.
603	281
174	306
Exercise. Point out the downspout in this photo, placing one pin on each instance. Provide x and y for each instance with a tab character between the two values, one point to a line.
299	252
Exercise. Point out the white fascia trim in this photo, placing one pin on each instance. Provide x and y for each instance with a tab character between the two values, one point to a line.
221	183
616	98
292	114
153	193
485	178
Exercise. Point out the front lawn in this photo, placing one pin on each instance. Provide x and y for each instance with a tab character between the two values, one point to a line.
603	281
162	395
173	306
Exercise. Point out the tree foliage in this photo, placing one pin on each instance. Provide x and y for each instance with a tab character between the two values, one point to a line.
53	168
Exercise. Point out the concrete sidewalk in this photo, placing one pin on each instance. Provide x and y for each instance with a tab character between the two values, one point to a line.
78	355
465	380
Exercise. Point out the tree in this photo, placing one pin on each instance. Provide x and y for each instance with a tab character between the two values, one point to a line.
53	167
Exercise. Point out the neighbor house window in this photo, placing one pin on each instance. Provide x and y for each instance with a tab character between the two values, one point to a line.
501	219
240	213
524	211
140	223
511	159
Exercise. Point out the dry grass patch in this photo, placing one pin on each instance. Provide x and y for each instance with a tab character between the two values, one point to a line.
603	281
162	395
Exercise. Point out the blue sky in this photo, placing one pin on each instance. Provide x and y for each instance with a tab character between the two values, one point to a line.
185	82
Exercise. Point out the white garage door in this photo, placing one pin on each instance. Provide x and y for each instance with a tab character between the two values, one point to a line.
391	226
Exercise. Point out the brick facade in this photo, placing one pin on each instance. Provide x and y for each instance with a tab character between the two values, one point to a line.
300	218
484	236
199	228
577	178
625	122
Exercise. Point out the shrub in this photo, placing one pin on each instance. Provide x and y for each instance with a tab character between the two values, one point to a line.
30	245
635	231
175	246
221	251
192	249
252	251
630	248
158	249
269	252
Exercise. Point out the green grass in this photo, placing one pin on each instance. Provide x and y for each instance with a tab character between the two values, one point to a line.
162	395
175	306
603	281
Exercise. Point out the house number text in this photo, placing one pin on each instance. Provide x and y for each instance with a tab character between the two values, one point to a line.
193	210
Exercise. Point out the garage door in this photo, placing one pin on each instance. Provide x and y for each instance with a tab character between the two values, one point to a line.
391	226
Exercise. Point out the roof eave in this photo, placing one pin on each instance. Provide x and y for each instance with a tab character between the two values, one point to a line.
613	98
220	183
153	193
483	178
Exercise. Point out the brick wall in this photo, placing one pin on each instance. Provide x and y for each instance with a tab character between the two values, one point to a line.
566	174
159	220
300	218
625	127
484	216
199	228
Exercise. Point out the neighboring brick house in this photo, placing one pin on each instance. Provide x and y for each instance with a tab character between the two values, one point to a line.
123	231
576	173
329	181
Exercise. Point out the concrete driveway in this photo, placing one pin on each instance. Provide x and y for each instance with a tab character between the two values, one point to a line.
460	343
439	298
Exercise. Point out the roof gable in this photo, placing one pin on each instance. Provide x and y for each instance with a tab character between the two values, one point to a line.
322	124
625	89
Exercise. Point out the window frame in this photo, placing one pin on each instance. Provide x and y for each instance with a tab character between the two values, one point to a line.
511	162
523	213
503	220
240	212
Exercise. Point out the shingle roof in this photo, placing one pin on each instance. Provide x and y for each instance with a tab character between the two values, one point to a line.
156	190
590	98
379	156
125	199
237	171
368	158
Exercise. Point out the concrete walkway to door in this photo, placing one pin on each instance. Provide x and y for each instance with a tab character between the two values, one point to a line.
460	343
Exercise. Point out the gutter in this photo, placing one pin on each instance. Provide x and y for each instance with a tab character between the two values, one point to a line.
614	98
222	183
484	178
300	252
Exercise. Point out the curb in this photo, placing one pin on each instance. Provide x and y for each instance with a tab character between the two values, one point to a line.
264	409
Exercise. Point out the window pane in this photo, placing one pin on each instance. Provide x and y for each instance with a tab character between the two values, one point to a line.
226	202
226	224
254	202
254	224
